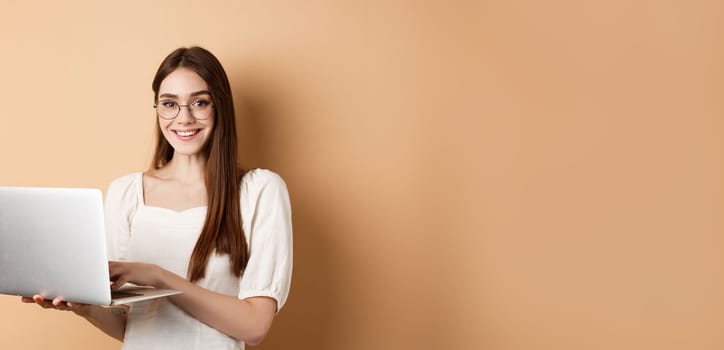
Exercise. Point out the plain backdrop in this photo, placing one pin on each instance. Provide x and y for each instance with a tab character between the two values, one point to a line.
496	175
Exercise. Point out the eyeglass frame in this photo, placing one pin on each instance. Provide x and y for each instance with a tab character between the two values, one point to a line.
178	111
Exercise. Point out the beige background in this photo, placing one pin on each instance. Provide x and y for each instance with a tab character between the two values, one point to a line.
465	175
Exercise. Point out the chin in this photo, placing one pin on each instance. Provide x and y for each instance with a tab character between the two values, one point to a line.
187	151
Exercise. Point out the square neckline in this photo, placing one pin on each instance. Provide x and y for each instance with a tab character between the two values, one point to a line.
142	200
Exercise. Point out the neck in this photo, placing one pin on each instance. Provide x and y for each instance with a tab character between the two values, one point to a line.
186	168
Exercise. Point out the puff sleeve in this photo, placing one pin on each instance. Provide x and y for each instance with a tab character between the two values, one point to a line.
266	212
121	203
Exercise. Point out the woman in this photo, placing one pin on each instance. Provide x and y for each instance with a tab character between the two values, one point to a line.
195	223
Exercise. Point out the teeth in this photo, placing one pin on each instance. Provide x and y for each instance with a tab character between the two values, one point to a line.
185	133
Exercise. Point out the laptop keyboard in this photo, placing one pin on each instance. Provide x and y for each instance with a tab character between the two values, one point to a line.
119	294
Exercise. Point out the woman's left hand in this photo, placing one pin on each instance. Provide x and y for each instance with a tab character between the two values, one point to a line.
141	274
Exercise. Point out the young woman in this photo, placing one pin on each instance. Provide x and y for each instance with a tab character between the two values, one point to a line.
195	223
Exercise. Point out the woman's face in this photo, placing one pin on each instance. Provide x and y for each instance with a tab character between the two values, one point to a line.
186	134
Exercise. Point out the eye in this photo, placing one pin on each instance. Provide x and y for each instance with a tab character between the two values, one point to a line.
167	104
201	103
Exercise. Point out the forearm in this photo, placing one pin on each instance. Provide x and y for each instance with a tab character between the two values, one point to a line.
110	320
240	319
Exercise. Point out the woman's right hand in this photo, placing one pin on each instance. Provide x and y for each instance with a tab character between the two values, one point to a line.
58	304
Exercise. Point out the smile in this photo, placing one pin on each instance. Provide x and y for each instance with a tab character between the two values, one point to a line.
186	133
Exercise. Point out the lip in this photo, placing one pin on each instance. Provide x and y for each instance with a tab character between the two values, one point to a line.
195	132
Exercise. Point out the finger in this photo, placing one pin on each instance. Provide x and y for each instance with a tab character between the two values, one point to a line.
119	282
60	304
57	304
115	271
42	302
71	305
32	300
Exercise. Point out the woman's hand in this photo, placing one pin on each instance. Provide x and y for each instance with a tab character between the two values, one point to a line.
58	304
111	321
141	274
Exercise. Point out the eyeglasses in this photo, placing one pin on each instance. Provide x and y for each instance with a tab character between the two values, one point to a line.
200	109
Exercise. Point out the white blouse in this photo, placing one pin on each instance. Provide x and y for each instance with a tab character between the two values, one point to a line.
165	237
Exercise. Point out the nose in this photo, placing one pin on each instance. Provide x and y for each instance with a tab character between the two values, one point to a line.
184	115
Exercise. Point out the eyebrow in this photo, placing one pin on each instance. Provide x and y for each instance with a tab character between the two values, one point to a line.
193	94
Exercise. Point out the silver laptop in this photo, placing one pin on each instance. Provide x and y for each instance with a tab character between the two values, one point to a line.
53	243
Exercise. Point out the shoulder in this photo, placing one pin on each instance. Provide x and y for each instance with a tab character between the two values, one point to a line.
124	185
261	187
259	179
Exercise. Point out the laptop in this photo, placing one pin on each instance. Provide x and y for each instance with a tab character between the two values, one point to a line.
53	243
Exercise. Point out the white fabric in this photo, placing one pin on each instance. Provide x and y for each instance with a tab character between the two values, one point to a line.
137	232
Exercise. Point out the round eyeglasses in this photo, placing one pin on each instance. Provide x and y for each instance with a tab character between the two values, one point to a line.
199	109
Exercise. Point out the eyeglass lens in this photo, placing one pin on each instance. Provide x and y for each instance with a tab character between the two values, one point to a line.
200	109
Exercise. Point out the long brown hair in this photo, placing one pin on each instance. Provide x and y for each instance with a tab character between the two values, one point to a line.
222	230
